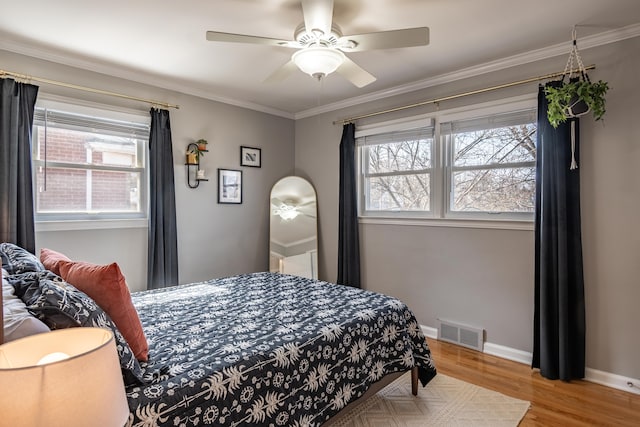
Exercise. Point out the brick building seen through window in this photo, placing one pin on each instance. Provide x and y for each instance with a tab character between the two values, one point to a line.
87	172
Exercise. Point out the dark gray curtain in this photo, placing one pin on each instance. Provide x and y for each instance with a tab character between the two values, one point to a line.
17	103
163	241
348	240
559	317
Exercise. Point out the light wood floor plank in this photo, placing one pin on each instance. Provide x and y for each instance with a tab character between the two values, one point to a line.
553	403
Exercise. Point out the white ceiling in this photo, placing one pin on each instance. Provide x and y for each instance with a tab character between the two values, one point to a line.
163	42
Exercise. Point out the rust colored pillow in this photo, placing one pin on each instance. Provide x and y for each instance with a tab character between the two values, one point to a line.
51	260
106	285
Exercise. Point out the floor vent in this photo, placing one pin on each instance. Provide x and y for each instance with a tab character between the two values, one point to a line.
464	335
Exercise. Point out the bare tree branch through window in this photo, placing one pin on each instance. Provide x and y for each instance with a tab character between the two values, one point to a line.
489	167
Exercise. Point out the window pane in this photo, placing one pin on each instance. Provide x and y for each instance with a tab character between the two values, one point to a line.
85	191
85	147
398	192
510	144
88	163
399	156
494	190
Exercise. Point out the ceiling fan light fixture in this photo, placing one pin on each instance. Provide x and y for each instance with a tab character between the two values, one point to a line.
289	215
318	61
287	212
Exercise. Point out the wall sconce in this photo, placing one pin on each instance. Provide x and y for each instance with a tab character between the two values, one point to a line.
67	377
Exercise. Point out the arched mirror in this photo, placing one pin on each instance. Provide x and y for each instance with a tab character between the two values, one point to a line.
293	242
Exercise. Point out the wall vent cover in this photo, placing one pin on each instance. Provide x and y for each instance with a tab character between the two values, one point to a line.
464	335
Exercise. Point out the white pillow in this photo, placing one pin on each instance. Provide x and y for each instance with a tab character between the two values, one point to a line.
18	322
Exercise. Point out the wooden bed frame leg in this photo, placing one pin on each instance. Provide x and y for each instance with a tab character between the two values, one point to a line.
414	380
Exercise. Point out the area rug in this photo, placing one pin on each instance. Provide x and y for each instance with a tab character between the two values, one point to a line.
445	401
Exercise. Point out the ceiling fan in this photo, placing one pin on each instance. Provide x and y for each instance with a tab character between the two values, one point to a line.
289	209
321	45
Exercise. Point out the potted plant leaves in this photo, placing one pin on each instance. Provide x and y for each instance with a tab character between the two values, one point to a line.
202	144
578	96
195	150
193	154
575	98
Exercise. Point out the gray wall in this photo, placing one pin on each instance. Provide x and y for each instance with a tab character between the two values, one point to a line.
214	240
484	277
478	276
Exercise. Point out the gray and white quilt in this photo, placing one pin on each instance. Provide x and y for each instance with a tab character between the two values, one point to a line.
267	349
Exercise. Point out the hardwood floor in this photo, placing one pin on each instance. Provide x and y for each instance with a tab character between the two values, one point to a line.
553	403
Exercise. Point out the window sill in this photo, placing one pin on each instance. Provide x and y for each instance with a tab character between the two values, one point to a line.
456	223
102	224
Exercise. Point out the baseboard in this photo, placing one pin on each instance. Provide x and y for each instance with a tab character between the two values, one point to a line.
508	353
619	382
632	385
429	332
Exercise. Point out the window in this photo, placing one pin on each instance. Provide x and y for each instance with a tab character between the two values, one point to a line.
397	171
89	165
473	164
492	164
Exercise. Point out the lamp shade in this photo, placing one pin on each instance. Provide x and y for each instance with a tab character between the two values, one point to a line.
318	61
66	378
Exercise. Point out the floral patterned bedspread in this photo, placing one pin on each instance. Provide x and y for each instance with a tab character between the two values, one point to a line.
267	349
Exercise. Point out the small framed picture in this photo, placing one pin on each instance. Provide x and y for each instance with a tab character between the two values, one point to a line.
229	186
251	156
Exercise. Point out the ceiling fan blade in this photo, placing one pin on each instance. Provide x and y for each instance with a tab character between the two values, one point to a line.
318	15
215	36
386	39
275	201
279	75
354	73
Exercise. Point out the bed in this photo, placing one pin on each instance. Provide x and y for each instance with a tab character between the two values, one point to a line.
263	349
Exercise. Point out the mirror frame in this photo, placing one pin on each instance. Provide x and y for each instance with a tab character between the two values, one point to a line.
293	227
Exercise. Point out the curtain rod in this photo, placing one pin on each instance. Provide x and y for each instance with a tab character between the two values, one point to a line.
460	95
84	88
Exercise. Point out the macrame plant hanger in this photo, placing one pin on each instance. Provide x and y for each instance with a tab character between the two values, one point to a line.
575	70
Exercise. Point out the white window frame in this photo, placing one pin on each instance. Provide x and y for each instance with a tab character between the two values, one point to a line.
388	127
94	220
441	173
450	169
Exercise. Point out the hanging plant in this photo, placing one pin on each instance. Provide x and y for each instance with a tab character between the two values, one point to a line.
578	96
574	99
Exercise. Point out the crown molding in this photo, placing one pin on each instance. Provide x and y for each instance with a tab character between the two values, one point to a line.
135	76
587	42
